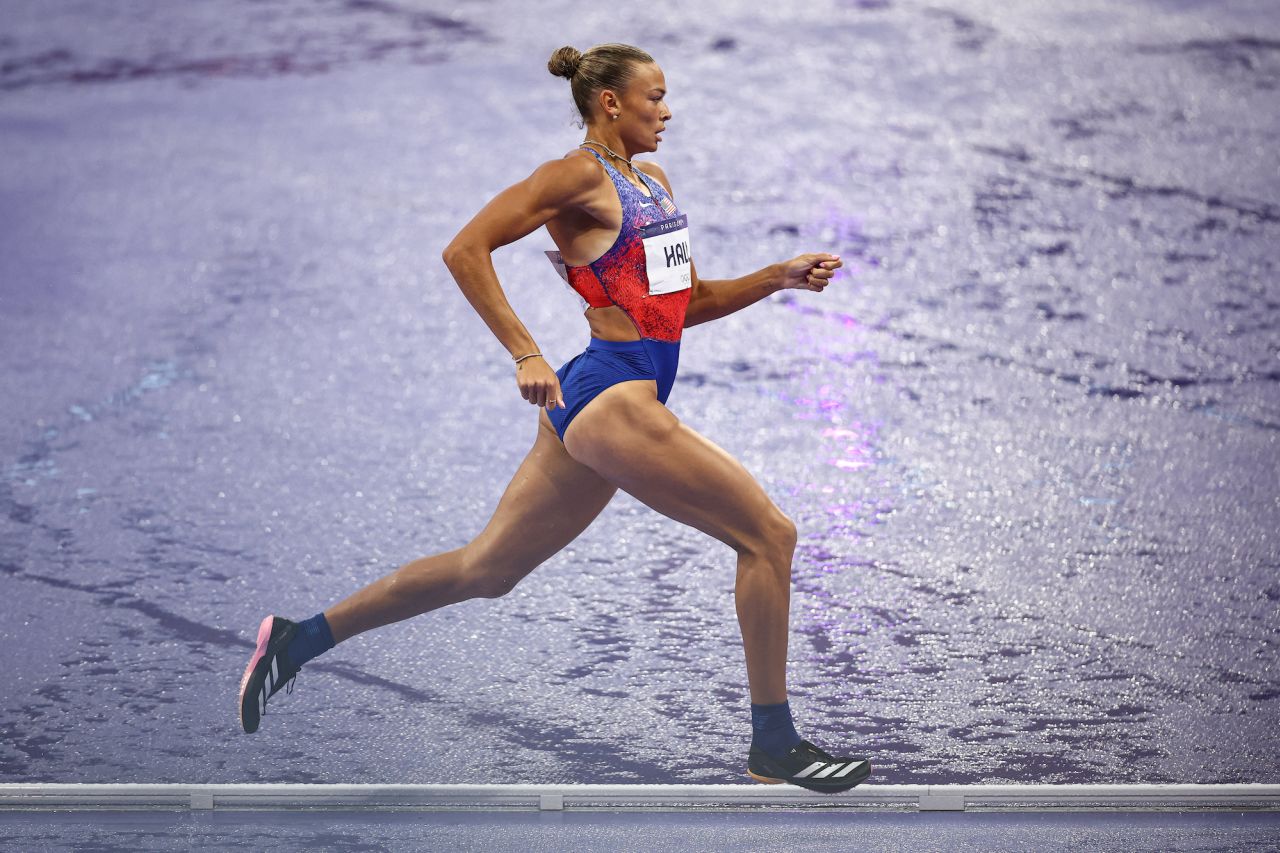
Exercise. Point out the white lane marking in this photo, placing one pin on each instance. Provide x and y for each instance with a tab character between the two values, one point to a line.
812	767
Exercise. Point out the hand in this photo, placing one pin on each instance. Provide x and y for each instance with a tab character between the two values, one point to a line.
539	383
812	271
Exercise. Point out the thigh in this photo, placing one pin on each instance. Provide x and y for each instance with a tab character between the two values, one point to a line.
550	500
633	441
590	373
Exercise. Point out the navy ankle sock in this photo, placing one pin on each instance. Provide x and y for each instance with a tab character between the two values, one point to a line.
313	638
772	728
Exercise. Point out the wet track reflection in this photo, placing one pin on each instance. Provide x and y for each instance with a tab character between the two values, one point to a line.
1029	434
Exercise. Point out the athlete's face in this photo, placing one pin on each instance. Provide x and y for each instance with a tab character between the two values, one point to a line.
643	112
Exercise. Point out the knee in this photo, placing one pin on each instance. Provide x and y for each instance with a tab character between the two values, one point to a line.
774	538
788	535
785	536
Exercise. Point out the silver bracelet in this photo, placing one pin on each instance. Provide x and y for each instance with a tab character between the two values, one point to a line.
523	357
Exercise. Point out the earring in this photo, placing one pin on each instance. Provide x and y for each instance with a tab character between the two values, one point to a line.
615	116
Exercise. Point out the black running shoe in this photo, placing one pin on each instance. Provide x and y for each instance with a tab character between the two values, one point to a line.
809	767
269	669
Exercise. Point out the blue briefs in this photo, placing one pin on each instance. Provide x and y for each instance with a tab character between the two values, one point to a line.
606	363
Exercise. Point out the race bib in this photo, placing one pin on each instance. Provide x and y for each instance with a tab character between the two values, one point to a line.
666	255
558	262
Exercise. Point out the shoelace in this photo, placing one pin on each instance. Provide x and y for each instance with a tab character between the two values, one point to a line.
288	688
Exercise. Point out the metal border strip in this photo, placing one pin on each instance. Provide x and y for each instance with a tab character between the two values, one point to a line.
552	797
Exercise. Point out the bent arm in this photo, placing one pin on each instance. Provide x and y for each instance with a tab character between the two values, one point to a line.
510	215
713	299
710	299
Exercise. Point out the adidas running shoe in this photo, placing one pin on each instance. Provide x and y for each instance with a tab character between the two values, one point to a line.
269	669
809	767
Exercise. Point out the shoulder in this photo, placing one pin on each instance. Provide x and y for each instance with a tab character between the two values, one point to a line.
653	170
572	175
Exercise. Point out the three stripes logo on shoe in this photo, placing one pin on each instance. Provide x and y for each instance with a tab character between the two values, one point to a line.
815	769
266	687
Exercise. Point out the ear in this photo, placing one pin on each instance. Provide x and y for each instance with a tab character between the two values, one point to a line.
608	101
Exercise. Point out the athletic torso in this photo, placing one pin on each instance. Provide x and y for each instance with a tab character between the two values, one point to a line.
625	253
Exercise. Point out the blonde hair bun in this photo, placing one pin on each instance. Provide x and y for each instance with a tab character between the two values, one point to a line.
564	62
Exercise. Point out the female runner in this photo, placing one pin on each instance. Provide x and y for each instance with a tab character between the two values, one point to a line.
624	248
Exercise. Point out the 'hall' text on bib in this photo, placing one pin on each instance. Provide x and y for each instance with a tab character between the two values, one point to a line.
666	255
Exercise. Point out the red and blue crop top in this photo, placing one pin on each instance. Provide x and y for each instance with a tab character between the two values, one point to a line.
648	271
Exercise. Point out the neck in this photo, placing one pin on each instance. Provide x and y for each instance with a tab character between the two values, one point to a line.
610	137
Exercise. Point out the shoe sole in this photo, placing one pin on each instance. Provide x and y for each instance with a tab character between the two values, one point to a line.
264	637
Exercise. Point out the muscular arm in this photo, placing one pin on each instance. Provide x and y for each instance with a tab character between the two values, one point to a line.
713	299
516	211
